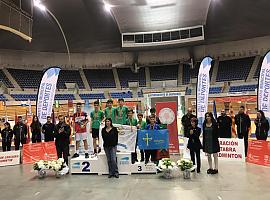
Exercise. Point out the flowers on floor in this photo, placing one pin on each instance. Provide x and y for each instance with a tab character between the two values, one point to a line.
56	165
184	164
166	163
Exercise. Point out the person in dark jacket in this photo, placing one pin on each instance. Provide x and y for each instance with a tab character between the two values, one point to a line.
224	125
48	130
20	133
153	113
62	134
211	142
7	135
186	121
36	130
194	143
243	124
151	152
262	126
110	141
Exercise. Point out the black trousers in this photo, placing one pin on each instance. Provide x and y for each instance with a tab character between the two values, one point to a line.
245	136
152	154
6	145
198	158
36	138
63	152
19	141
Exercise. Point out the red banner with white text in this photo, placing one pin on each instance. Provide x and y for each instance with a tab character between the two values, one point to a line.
35	152
167	112
259	152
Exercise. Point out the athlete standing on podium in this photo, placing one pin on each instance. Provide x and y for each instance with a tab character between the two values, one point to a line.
80	119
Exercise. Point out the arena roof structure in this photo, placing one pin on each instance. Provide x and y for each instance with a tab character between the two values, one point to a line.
89	28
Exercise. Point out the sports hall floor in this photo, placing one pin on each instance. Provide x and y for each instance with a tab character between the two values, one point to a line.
235	181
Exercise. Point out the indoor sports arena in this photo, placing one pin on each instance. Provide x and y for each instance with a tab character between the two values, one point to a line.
134	99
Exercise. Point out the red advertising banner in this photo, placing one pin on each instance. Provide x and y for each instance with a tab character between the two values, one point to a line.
167	112
39	151
259	152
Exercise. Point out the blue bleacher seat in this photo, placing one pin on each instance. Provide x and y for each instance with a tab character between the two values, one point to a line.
100	78
215	90
243	88
117	95
125	75
92	96
237	69
164	72
2	97
27	78
69	76
5	80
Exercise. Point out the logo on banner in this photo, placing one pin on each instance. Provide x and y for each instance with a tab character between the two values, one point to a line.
264	87
203	89
76	165
46	94
124	161
166	116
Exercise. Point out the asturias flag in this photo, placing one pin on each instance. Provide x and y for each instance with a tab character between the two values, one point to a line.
153	139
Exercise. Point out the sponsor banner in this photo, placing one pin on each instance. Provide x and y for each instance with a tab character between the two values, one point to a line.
264	87
167	112
99	165
127	136
46	93
39	151
153	139
230	150
259	152
202	93
9	158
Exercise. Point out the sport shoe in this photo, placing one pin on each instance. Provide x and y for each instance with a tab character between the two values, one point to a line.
86	155
214	171
116	175
209	171
75	155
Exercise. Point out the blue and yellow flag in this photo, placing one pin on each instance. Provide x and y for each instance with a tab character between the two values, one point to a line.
153	139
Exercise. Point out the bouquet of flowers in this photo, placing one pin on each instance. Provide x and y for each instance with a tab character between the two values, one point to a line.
59	166
184	164
166	163
168	167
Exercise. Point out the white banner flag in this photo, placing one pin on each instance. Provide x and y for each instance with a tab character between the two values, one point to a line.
264	86
203	83
127	136
46	93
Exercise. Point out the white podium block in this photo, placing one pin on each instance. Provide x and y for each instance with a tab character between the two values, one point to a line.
98	165
141	168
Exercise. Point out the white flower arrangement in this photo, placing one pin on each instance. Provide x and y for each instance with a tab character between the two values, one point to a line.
184	164
56	165
166	163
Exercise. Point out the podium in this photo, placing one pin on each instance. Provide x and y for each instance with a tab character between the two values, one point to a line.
98	165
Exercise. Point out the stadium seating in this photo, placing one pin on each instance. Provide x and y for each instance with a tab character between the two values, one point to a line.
24	97
2	97
26	78
191	73
164	72
231	70
5	80
118	95
69	76
92	96
100	78
257	72
215	90
243	88
64	97
140	94
125	75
